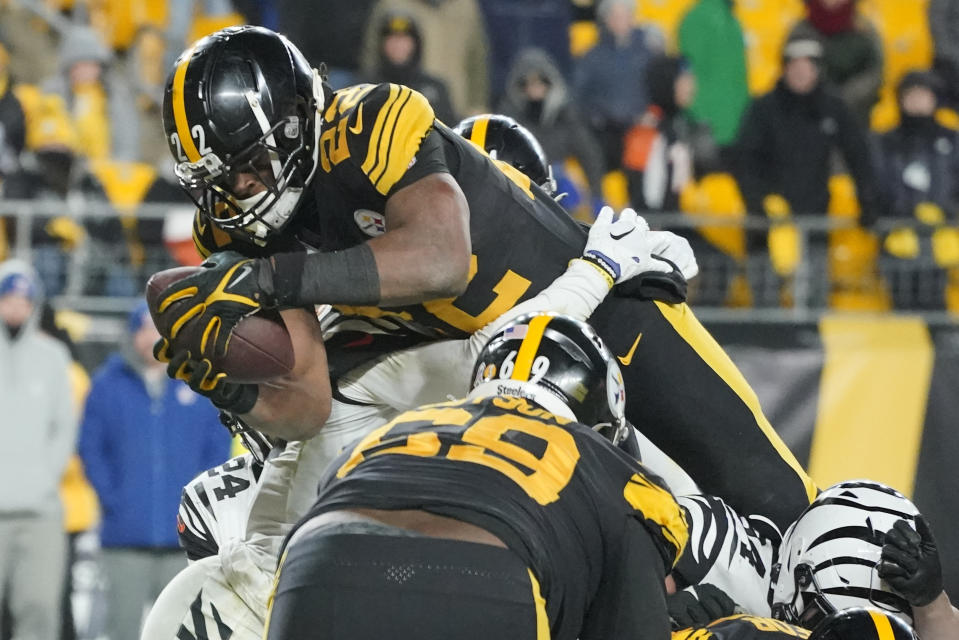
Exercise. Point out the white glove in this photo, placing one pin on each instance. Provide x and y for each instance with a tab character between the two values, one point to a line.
622	249
676	249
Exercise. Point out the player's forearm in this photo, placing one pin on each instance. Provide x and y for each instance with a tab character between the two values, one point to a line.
296	406
422	256
417	264
938	620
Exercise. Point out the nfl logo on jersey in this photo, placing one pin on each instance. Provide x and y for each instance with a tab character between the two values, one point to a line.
370	222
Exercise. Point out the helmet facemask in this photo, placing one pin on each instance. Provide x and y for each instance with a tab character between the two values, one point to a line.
282	160
829	557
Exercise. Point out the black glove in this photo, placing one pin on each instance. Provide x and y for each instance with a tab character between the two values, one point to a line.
229	288
653	285
199	375
710	603
910	562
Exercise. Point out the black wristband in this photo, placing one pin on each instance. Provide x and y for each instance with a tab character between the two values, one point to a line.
337	277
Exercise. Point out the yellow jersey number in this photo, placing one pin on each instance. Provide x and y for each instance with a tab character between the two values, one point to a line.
482	444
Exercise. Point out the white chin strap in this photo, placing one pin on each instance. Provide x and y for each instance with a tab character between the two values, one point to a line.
540	395
278	210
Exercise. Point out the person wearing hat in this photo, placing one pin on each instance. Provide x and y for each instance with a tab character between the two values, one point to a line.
142	438
918	165
401	52
608	79
852	52
39	431
787	141
664	153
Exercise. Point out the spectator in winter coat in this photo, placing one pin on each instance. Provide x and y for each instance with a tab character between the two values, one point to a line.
787	141
852	52
711	39
400	54
39	430
664	153
454	46
918	169
608	81
537	97
142	438
97	96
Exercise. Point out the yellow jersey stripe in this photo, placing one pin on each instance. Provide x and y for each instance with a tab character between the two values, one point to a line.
478	134
386	136
858	398
371	156
529	347
413	123
659	506
542	620
179	109
688	327
883	626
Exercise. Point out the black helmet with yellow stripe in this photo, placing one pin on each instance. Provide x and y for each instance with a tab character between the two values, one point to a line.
508	141
239	113
862	623
560	364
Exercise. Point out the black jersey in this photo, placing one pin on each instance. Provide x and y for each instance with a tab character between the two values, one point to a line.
572	506
743	627
377	139
681	387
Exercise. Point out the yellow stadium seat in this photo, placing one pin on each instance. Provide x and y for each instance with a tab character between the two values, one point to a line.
126	184
204	25
766	23
717	194
48	123
904	29
583	35
665	14
616	189
948	118
852	255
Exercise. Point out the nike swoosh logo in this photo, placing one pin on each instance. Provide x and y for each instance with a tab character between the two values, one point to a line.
628	358
245	270
358	129
622	235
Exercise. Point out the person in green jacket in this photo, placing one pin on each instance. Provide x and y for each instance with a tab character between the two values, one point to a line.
711	40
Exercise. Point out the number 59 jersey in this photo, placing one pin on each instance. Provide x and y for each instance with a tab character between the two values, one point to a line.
588	520
215	506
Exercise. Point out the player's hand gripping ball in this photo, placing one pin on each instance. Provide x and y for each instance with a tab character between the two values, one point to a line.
257	349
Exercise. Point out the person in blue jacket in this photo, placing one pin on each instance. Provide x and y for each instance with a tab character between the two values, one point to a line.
142	438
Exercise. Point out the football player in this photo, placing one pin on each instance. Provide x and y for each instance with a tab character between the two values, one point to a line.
506	140
860	543
498	515
226	511
361	199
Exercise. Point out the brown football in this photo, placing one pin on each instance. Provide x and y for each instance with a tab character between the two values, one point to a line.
260	348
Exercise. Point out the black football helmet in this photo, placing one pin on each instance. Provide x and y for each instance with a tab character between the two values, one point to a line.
507	140
244	100
560	364
862	623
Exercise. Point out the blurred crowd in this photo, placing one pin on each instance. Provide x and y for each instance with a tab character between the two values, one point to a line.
830	123
803	146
